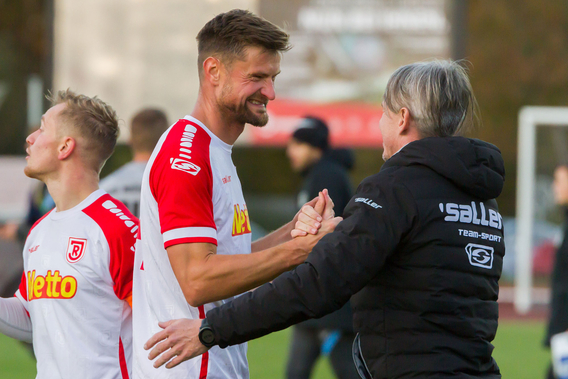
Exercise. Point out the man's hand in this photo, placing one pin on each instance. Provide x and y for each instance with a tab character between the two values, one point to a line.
178	342
310	216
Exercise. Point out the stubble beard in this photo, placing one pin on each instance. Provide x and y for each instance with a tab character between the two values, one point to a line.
240	113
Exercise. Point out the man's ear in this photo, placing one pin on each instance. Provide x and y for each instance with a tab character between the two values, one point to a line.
66	148
404	121
212	70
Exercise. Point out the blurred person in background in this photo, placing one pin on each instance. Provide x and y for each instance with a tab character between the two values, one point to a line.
124	184
14	236
420	249
195	251
321	167
558	319
74	299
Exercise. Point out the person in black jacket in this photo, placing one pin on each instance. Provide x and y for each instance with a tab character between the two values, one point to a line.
311	156
421	246
558	319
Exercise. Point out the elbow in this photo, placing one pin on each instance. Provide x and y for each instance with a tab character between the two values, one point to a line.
194	295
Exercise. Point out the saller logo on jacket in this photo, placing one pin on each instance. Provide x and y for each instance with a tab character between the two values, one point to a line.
480	255
469	214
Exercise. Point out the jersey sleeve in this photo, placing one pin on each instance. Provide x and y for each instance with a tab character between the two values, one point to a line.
22	291
120	228
181	182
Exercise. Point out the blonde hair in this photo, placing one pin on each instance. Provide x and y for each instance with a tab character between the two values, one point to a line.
94	120
438	95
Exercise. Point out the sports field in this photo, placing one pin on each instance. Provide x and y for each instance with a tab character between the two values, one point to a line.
517	350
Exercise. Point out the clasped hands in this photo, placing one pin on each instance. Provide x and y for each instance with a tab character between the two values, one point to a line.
178	340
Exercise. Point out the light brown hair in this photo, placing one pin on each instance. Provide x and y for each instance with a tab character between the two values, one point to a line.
227	36
94	120
146	128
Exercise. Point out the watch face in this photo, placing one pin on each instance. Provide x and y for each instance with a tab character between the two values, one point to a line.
207	336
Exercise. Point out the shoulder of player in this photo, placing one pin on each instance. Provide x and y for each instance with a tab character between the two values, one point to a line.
39	221
187	139
112	218
186	148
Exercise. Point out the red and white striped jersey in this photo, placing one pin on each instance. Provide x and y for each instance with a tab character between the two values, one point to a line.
190	193
76	288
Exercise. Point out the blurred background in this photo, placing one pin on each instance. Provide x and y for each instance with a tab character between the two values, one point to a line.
138	53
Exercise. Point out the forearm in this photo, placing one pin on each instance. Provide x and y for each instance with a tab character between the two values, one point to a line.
219	277
272	307
14	320
274	238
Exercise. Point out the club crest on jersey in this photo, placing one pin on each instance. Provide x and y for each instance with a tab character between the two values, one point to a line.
75	249
241	221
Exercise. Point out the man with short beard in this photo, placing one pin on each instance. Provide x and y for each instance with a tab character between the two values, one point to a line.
194	252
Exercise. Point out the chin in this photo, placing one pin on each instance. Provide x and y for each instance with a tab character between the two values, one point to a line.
30	173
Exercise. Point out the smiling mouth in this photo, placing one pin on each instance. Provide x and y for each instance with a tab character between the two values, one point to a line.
258	102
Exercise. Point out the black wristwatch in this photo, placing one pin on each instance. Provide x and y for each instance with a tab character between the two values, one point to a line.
206	335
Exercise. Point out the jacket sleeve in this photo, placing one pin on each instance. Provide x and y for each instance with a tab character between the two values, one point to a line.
342	263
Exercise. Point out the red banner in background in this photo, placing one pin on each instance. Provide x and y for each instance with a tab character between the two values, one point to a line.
350	124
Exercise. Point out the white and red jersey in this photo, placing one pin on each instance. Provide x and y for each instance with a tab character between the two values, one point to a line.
76	286
190	193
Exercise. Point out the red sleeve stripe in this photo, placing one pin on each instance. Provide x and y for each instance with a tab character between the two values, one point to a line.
190	240
122	360
205	356
191	232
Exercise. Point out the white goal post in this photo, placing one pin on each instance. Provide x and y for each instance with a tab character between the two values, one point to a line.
529	119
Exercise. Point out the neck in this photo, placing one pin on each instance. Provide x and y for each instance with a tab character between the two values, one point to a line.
70	188
207	111
141	156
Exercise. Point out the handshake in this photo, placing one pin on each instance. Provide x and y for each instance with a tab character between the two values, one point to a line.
179	339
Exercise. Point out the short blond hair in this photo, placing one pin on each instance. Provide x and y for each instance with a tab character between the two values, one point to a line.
95	121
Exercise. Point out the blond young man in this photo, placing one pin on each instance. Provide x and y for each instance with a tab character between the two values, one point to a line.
74	299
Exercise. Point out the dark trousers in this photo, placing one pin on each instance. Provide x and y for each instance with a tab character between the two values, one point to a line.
305	349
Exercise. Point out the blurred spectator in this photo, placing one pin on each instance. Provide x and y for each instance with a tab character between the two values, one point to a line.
124	184
321	167
12	238
558	321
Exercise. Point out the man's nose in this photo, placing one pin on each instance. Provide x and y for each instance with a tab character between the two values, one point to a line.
31	138
268	90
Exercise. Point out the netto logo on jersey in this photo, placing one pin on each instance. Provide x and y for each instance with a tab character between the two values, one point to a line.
75	249
120	214
51	286
480	255
182	163
241	222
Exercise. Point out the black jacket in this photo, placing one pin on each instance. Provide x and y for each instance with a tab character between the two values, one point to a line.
422	246
329	172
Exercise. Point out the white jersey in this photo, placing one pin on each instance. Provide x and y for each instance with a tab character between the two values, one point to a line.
76	286
124	185
190	193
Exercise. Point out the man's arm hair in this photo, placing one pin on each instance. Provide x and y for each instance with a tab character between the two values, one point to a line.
205	276
14	320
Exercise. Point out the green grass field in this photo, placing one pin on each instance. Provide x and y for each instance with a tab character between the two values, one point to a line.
518	351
